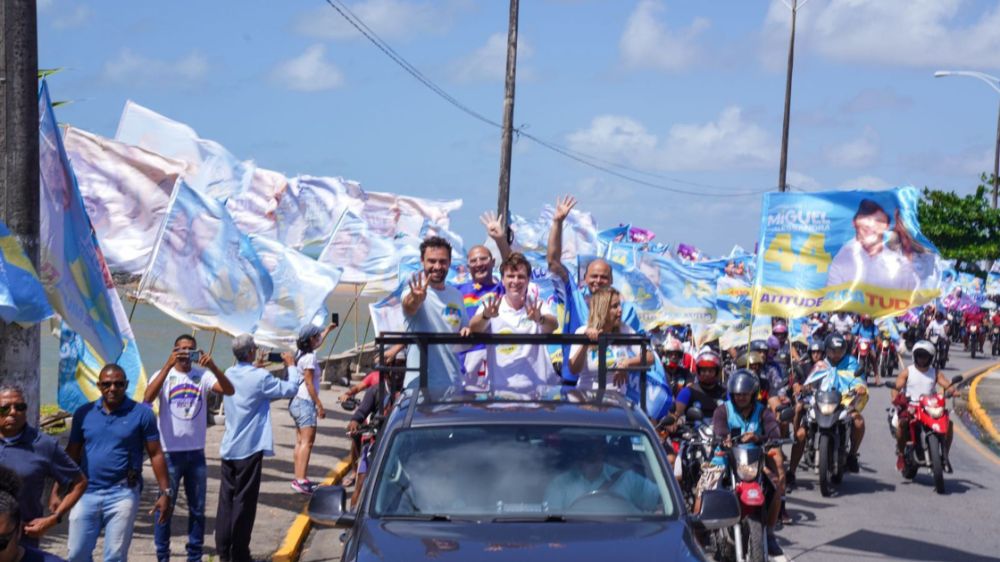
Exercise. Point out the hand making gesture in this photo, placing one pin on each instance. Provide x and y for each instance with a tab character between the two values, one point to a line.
491	306
418	286
563	206
492	223
534	309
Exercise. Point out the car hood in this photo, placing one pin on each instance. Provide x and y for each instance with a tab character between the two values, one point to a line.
496	542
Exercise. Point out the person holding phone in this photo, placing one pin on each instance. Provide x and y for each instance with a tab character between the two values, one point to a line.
305	407
182	387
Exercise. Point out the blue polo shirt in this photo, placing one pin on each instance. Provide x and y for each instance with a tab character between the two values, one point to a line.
112	441
35	457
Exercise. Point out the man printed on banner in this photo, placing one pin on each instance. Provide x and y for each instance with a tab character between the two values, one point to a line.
880	254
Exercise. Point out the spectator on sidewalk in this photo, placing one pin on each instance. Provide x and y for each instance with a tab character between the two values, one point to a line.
247	440
305	407
182	388
35	457
107	440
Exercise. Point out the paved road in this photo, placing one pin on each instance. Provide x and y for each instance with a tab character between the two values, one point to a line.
877	515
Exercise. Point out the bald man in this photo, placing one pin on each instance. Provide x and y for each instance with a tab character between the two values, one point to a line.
575	297
482	285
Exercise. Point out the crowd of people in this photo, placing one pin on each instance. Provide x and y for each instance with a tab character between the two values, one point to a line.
745	390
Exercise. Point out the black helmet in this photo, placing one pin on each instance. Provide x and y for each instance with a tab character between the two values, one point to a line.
759	345
743	382
835	341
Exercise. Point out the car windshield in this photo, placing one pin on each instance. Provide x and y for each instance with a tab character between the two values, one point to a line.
521	472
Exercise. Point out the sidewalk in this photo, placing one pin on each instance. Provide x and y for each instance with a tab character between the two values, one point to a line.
984	403
278	504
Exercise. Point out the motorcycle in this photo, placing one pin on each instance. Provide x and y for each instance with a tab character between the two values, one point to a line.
928	422
995	341
828	435
744	475
692	443
941	351
865	357
886	358
975	339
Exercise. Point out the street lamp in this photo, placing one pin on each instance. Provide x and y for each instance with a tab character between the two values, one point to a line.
794	6
994	83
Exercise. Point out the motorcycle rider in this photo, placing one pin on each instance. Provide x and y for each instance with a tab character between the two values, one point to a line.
939	327
913	382
706	393
842	322
846	366
973	317
677	375
755	424
865	330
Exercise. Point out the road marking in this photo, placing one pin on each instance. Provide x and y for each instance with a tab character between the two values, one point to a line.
291	547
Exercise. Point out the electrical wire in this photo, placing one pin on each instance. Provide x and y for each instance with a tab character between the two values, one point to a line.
594	162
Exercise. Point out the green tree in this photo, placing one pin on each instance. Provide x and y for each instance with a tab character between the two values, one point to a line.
964	228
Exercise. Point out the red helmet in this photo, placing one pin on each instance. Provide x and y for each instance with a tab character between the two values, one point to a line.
708	360
780	328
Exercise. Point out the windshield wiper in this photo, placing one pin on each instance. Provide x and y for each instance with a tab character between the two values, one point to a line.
420	517
546	518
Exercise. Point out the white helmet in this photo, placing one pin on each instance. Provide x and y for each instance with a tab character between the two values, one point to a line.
925	346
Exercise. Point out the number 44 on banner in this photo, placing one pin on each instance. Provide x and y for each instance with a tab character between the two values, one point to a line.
812	253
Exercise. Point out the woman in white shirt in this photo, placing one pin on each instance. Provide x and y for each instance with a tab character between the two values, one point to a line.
305	407
605	318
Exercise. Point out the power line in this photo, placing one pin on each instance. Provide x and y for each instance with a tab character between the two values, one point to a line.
579	157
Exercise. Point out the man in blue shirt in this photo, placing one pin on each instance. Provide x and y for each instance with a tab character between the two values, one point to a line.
248	439
107	440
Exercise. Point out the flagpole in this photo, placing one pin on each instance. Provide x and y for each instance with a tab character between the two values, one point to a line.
211	348
337	337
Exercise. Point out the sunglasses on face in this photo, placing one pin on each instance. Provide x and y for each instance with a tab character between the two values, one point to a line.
110	384
18	406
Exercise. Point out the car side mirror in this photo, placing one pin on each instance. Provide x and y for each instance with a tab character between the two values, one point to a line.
328	507
719	509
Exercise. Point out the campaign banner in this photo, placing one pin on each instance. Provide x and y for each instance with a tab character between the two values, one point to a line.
22	297
993	279
680	292
733	287
205	272
858	251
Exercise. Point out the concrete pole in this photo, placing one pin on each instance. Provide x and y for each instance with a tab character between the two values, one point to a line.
506	140
996	164
782	186
19	347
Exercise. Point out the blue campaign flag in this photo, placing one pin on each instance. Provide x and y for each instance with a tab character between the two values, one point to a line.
71	267
22	297
688	291
859	251
993	279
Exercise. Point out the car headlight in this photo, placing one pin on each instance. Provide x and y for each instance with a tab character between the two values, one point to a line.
747	472
935	411
827	409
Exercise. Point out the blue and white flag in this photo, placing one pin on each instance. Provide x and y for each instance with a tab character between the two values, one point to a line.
302	286
993	279
22	297
363	255
687	291
204	272
310	210
858	251
71	267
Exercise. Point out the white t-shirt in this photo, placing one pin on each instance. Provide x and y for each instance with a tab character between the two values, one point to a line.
182	420
938	328
615	356
442	312
308	361
842	323
517	367
919	384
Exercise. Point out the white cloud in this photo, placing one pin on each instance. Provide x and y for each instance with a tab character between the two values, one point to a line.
131	68
861	152
916	33
390	19
866	182
489	62
75	17
728	142
801	181
308	72
648	43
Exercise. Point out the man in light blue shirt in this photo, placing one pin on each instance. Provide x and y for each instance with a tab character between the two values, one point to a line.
592	476
248	439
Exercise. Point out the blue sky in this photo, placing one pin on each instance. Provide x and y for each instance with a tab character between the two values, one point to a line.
679	90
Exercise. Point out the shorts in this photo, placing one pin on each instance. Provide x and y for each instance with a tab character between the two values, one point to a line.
303	412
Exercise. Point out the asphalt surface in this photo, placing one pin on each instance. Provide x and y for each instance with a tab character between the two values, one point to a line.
876	514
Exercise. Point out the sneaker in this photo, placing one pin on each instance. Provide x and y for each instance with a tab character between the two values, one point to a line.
302	487
852	464
900	462
773	548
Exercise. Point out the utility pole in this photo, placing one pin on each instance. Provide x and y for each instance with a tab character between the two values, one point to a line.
19	347
506	140
794	7
996	164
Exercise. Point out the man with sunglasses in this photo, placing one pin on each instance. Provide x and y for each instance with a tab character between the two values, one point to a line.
36	457
107	440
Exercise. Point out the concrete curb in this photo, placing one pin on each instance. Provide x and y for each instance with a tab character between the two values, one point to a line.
976	409
291	547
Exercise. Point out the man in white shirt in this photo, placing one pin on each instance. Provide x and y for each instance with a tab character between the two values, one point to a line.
431	305
182	386
516	367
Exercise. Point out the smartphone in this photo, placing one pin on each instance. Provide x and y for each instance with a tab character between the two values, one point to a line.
274	357
335	318
195	356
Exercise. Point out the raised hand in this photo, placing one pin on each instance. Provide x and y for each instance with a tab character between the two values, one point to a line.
491	306
564	205
492	223
534	309
418	286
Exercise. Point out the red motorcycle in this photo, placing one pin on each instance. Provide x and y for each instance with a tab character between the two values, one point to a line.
886	359
865	356
975	339
928	422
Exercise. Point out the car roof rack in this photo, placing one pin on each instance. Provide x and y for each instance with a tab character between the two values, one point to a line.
423	340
